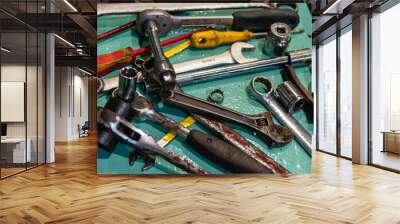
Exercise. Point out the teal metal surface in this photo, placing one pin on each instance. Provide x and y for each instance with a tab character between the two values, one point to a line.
291	156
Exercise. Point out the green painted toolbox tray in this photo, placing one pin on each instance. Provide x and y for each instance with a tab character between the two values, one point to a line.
291	156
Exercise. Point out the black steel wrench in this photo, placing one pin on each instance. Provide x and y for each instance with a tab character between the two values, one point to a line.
261	124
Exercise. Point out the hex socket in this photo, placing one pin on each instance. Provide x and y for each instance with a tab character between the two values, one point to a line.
127	83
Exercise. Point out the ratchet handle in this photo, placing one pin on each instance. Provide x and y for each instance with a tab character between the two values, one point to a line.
261	20
224	154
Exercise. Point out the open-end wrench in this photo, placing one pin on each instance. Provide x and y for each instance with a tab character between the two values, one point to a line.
261	124
214	149
267	97
230	56
138	138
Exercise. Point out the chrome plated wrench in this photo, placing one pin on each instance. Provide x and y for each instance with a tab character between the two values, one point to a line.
267	98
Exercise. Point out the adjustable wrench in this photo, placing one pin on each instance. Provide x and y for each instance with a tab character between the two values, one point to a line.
269	100
138	138
261	124
231	56
214	149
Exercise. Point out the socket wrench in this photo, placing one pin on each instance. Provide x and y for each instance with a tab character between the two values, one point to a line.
266	95
214	149
138	138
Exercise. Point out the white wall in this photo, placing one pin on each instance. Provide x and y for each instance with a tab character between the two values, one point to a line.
71	94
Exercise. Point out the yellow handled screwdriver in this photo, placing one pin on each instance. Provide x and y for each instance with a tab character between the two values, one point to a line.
213	38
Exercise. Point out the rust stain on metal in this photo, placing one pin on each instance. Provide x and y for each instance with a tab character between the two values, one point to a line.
186	163
244	145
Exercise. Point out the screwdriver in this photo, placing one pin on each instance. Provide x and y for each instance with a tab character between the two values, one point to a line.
213	38
117	59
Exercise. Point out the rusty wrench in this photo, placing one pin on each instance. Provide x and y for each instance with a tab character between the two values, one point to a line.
214	149
261	124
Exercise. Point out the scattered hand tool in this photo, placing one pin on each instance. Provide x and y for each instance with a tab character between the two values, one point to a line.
118	59
128	8
298	56
107	84
213	38
254	20
289	74
290	97
155	23
138	138
214	149
277	39
229	135
261	124
116	30
231	56
267	96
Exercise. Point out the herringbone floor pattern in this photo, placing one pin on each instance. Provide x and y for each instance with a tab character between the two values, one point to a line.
69	191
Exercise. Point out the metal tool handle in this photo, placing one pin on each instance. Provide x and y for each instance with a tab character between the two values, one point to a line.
211	61
266	96
299	56
224	154
136	137
261	20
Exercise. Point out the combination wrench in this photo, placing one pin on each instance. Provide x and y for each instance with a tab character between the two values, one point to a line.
228	156
230	56
267	96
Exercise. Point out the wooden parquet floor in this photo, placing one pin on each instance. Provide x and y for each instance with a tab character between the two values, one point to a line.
69	191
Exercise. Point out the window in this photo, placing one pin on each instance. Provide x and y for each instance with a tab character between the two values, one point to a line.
346	92
327	95
385	90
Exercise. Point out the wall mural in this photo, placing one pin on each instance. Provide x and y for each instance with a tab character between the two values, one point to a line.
204	89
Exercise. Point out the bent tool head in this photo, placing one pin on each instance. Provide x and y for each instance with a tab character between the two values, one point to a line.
237	52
